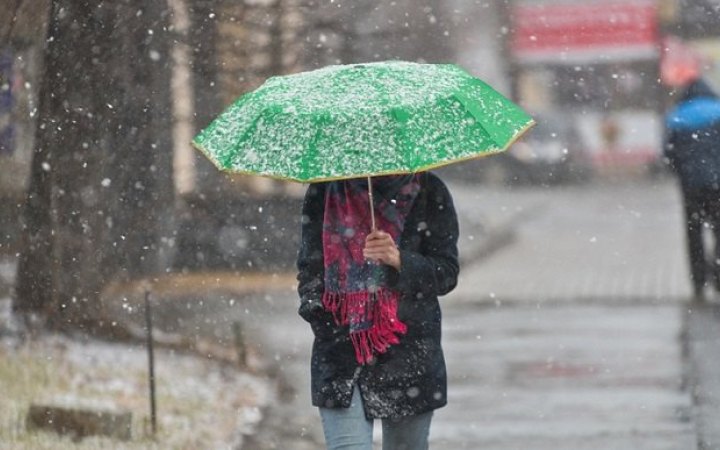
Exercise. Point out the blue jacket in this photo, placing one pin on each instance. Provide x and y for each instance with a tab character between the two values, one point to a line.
692	138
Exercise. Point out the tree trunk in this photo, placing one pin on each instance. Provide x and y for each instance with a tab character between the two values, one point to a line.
102	168
10	9
34	284
205	67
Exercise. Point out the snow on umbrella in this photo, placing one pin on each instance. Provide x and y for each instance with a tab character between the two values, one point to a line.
361	120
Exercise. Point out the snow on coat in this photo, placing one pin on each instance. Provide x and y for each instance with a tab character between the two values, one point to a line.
410	378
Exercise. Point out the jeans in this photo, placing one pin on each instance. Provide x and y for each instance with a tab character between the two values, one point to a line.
348	429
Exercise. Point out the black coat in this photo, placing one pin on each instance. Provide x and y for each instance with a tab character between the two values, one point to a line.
692	139
410	377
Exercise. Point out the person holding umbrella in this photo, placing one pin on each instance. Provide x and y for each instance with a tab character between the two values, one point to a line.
692	149
379	232
371	298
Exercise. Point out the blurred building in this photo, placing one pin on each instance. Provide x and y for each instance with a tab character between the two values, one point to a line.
586	69
594	64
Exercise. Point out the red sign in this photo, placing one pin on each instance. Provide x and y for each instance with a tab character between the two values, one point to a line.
571	31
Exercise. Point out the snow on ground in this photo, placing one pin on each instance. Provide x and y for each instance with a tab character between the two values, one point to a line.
201	403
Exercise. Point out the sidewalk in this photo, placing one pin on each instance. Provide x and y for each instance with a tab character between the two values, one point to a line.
571	337
605	243
564	377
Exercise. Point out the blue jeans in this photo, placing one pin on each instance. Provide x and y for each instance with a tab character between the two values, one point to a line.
348	429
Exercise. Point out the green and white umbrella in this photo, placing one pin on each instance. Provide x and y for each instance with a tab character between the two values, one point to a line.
361	120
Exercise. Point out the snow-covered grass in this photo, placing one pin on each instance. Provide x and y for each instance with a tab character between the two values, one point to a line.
201	404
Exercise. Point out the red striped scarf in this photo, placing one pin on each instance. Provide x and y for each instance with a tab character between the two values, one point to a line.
356	290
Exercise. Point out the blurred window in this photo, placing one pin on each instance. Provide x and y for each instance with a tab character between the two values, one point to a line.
608	86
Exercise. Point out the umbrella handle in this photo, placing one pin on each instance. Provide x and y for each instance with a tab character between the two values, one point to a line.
372	204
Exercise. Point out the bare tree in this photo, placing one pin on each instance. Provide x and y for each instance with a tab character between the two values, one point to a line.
100	201
205	66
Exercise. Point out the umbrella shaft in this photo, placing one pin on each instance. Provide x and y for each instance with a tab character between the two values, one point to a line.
372	203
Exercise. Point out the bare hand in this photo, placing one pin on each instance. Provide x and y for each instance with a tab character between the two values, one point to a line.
380	247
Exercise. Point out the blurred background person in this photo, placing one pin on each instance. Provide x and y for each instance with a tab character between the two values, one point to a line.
692	149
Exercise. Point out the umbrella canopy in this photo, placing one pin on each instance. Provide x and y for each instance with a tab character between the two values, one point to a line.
362	120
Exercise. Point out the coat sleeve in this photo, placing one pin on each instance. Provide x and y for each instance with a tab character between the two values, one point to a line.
310	257
434	269
310	265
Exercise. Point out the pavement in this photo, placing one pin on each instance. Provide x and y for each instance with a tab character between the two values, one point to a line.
575	333
616	242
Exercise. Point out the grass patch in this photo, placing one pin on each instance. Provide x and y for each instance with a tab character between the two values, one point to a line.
200	404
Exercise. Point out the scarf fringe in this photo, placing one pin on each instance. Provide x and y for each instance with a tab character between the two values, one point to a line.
380	313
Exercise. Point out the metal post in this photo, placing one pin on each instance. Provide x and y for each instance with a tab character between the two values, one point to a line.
240	343
151	363
372	203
